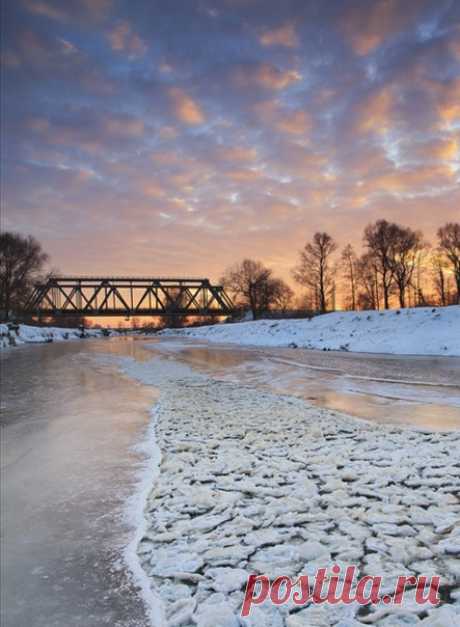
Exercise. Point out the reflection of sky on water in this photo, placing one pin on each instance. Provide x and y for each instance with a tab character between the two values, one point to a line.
420	391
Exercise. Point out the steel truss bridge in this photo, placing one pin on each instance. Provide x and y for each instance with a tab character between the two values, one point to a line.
128	296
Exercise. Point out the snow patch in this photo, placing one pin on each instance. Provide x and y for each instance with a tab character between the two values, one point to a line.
15	335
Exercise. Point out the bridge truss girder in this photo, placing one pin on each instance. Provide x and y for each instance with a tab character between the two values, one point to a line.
127	296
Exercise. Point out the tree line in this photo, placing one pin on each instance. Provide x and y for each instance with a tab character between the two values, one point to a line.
397	267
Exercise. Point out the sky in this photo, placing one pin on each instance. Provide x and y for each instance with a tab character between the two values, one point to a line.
175	137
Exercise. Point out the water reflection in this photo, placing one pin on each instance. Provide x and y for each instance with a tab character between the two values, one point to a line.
421	391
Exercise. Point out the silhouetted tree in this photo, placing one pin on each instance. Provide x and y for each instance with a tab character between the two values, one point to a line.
283	295
403	258
416	291
21	261
314	269
367	282
253	286
449	242
380	240
440	266
349	261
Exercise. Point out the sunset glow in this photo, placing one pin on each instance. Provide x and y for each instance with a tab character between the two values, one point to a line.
175	137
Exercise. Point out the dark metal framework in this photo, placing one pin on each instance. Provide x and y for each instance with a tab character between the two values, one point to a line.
127	296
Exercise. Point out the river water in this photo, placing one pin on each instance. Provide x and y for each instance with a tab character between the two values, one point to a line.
70	424
421	392
68	468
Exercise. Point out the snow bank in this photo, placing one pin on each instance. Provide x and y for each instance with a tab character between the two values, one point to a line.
417	331
26	334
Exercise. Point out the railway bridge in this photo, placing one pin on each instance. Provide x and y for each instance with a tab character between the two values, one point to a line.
128	296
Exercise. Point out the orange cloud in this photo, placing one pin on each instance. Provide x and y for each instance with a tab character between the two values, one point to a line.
375	112
266	75
187	110
367	29
244	176
283	36
413	180
446	96
111	127
449	110
449	150
266	110
442	150
123	39
60	11
82	175
166	157
153	190
121	127
237	153
47	10
270	76
278	210
297	123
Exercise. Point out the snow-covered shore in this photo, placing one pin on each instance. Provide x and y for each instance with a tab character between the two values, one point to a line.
416	331
27	334
253	482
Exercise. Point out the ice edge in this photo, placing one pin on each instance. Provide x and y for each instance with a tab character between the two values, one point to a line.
135	516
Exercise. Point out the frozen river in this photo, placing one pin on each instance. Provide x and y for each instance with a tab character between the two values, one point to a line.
422	392
68	467
71	420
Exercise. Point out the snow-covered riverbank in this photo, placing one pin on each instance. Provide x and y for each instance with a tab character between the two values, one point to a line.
419	331
254	482
27	334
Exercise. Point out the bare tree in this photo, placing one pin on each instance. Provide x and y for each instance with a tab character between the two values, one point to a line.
349	261
21	261
449	242
418	283
252	286
314	269
380	240
440	279
403	258
283	295
305	302
367	282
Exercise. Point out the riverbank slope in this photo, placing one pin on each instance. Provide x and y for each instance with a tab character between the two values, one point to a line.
413	331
